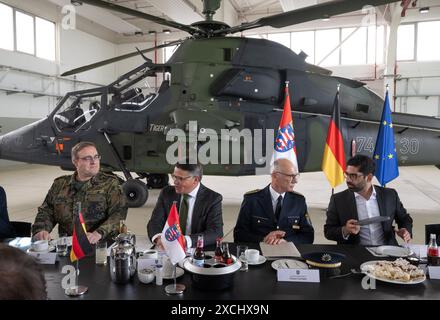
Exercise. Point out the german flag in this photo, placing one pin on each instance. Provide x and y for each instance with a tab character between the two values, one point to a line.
81	246
333	161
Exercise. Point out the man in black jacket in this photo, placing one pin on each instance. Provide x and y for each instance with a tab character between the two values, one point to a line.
200	208
276	213
6	228
362	200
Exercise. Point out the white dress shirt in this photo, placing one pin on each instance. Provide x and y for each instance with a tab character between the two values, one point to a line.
274	195
371	234
191	201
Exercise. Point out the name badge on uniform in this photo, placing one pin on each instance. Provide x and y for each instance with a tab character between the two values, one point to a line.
295	225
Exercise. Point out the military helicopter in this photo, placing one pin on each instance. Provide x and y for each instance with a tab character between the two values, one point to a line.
221	82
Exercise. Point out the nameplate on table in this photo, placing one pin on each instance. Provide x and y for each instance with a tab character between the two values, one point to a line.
298	275
434	272
44	257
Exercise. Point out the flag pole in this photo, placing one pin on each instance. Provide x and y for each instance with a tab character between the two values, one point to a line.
175	288
76	289
174	272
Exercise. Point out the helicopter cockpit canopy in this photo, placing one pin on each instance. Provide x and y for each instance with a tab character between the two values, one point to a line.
76	111
133	99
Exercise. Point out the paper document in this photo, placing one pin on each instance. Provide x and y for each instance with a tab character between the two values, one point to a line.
285	249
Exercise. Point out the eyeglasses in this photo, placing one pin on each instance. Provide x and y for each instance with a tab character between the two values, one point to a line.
353	176
180	179
291	176
90	158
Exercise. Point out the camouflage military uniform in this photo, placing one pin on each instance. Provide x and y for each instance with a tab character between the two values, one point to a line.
102	202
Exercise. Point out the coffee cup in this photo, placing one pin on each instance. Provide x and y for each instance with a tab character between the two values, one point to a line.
150	254
40	245
146	275
252	255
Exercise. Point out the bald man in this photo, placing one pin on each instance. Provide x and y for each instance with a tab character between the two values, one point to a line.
276	213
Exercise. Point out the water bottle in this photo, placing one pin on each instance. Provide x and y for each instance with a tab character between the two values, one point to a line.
159	273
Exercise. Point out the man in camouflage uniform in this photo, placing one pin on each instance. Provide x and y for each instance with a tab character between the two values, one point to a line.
276	213
100	196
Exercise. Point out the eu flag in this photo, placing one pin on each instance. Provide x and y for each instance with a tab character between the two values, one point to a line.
385	155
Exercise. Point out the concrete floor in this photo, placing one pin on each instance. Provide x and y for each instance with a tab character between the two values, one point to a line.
418	187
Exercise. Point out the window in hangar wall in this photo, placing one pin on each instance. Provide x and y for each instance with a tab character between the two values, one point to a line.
24	32
354	49
428	47
405	42
415	41
6	27
365	45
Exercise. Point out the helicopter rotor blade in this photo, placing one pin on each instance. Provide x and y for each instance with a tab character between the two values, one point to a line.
142	15
118	58
319	11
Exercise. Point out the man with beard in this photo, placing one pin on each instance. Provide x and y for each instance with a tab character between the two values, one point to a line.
276	213
361	201
102	202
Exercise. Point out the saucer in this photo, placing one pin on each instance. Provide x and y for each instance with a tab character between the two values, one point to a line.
261	260
393	251
51	248
179	273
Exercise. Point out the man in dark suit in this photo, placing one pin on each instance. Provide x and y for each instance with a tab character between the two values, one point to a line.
6	228
276	213
200	208
362	200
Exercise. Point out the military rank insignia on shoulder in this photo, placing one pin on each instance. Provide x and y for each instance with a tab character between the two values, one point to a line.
252	191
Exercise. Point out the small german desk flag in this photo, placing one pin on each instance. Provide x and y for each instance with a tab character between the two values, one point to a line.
333	160
81	246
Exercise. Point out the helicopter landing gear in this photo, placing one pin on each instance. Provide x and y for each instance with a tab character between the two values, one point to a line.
157	181
136	192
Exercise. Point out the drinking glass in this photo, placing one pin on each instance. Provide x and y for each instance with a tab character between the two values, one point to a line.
241	249
101	252
61	245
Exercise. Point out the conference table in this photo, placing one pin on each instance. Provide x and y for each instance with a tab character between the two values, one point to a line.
258	283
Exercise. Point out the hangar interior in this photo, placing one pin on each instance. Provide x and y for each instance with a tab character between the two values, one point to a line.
394	45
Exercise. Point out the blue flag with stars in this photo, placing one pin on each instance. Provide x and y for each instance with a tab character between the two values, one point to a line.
385	155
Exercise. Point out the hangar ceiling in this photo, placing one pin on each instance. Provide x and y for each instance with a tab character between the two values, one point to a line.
183	11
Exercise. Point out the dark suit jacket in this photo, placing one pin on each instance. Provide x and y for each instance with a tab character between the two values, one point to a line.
257	218
6	229
342	208
206	218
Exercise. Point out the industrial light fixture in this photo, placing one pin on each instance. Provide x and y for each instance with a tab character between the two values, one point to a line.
138	33
424	10
166	31
325	18
76	3
151	32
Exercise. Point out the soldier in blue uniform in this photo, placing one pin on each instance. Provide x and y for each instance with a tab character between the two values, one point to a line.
276	213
